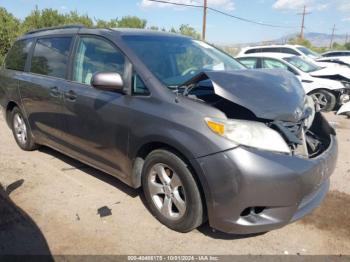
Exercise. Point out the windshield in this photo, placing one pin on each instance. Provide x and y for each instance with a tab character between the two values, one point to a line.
308	52
174	60
303	65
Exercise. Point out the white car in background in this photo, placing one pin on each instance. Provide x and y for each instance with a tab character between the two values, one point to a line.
297	50
336	57
329	87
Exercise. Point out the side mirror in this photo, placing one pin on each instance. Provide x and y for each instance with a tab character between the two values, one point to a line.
108	82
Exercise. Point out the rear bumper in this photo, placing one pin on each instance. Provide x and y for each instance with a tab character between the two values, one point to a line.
286	187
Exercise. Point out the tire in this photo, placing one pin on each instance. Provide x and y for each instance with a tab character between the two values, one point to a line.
326	100
175	183
21	130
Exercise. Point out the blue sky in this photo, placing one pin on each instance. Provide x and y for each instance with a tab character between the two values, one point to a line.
220	29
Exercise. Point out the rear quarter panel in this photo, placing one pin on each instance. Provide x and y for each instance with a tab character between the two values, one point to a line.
9	87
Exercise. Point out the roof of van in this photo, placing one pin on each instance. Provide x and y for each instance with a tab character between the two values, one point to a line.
269	46
268	55
72	29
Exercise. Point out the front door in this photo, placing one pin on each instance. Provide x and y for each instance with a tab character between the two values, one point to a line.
97	122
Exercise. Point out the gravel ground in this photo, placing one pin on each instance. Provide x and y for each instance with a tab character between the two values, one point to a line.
50	203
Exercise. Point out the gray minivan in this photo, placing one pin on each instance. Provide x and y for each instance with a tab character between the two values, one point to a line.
205	138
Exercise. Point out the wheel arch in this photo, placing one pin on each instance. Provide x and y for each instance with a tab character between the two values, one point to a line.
9	107
145	149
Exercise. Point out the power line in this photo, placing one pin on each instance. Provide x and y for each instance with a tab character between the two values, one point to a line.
223	13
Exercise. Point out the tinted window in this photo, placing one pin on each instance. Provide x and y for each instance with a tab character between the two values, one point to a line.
308	52
270	50
250	62
252	51
332	54
16	58
138	86
96	55
50	56
289	51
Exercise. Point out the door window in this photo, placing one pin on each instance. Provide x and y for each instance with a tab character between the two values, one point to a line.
96	55
273	63
50	56
270	63
17	56
250	62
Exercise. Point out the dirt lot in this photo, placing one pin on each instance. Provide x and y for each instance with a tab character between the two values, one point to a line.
54	207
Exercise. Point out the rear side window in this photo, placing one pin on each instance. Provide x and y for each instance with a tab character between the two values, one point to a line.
50	56
17	56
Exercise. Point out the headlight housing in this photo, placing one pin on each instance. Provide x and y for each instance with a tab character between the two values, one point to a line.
249	133
346	84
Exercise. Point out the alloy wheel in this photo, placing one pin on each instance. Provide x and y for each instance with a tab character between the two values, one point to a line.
321	99
167	191
20	129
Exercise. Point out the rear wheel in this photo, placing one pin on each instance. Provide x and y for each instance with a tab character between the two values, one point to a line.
171	191
21	131
325	99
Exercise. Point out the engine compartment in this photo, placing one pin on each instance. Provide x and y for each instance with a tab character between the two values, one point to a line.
308	137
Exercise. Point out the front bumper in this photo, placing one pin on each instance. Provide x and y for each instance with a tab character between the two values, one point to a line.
281	188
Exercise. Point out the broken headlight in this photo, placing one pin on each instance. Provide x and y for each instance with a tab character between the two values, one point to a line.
249	133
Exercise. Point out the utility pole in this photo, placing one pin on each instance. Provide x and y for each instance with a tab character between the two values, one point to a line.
332	37
205	7
304	13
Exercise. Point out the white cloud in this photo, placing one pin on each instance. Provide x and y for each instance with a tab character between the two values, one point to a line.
347	19
299	4
227	5
343	5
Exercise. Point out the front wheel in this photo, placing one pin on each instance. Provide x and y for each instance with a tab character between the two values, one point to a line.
325	99
21	131
171	191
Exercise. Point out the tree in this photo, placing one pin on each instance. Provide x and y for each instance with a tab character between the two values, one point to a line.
9	30
113	23
186	30
300	41
189	31
347	46
132	22
73	17
154	28
45	18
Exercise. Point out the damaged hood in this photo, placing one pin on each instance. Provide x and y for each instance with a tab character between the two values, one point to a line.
340	72
268	94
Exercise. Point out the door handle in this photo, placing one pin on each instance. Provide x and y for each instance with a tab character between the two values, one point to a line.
54	91
70	95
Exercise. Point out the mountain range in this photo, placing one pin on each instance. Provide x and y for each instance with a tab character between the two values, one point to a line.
317	39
